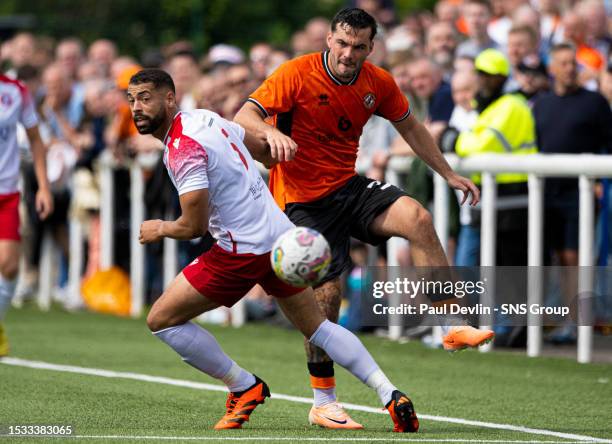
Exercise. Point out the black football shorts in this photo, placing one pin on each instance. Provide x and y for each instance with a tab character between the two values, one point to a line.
346	212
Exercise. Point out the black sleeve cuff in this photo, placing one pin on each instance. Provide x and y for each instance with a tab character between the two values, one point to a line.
260	106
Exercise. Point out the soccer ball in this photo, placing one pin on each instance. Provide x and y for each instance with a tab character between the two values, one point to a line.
301	257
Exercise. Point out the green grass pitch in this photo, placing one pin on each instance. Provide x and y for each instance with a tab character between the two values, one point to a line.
553	394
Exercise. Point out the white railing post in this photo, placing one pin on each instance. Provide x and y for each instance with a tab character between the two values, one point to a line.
46	272
396	326
534	262
488	230
75	263
107	228
441	210
488	244
170	259
441	198
238	314
137	276
585	275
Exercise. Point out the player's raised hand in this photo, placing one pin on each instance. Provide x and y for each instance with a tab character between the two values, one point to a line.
464	184
282	147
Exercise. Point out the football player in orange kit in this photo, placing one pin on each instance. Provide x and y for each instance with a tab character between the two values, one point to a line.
319	104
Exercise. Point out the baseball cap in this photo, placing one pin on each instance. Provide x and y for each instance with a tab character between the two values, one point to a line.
532	65
223	53
493	62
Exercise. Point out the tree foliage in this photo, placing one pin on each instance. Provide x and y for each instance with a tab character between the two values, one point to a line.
138	25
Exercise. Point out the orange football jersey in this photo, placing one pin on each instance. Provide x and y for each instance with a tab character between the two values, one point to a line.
325	117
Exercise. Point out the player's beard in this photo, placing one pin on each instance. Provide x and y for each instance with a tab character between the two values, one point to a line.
349	71
149	124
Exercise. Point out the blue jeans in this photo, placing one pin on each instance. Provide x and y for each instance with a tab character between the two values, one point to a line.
468	247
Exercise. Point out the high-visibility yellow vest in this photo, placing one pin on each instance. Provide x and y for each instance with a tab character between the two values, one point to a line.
505	126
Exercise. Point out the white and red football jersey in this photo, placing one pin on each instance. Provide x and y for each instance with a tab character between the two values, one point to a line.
203	150
16	106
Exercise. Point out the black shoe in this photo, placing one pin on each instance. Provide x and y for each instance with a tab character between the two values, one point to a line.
402	413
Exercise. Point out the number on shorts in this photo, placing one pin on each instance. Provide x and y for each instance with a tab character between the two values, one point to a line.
377	183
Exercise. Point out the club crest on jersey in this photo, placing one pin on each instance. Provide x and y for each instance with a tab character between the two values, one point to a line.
176	143
6	100
369	100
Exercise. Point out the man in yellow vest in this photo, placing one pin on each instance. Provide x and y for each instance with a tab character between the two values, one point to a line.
505	126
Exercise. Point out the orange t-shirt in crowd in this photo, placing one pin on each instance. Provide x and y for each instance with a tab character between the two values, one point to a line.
325	117
590	57
127	128
462	25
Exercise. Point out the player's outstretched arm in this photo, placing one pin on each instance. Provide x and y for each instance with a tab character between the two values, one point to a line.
192	223
417	136
276	146
259	148
44	199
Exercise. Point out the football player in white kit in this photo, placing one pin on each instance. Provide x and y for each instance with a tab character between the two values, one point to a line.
16	106
221	191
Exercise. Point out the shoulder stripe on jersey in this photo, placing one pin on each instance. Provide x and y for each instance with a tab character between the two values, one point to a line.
332	77
404	117
242	158
259	105
170	130
23	90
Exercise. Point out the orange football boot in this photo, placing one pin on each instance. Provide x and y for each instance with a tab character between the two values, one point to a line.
464	336
332	416
402	413
240	405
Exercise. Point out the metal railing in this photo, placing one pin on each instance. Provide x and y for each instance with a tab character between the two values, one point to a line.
585	167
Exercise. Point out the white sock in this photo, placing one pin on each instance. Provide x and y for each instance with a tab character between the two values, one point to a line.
324	396
345	349
238	379
379	382
450	321
7	290
201	350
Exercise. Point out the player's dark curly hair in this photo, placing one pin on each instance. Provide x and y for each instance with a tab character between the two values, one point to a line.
356	19
158	77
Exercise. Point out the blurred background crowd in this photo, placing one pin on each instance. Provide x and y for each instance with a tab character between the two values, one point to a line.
79	85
